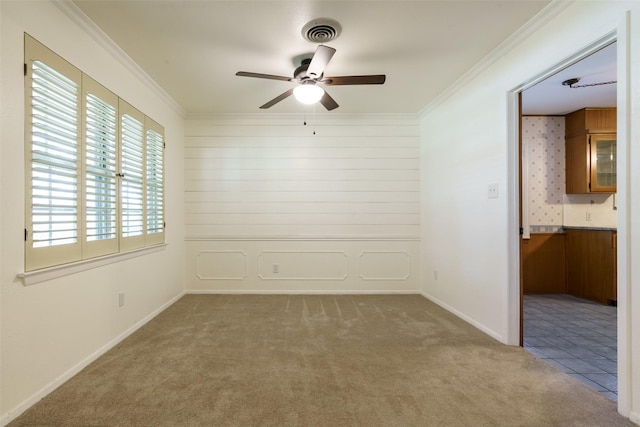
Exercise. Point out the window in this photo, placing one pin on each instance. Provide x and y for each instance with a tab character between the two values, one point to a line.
155	182
95	167
100	169
132	176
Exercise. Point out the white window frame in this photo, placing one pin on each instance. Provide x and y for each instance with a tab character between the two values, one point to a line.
93	236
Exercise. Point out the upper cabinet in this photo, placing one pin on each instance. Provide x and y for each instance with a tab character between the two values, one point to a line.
590	149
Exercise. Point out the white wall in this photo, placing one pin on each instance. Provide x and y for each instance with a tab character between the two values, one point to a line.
590	210
468	238
50	329
334	211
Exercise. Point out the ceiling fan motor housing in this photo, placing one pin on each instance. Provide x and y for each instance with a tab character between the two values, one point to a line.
301	72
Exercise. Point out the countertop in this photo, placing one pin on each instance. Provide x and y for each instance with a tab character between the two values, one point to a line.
572	227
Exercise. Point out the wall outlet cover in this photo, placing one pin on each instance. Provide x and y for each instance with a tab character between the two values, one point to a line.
493	191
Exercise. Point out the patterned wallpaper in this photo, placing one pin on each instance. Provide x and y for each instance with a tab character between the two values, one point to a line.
543	145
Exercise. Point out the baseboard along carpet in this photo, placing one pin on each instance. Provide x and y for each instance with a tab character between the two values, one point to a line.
319	360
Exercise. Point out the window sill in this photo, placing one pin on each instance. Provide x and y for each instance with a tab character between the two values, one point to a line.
50	273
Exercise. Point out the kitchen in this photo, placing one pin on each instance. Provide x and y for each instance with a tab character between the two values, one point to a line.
569	222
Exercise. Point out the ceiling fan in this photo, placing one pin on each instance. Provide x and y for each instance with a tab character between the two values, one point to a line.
310	78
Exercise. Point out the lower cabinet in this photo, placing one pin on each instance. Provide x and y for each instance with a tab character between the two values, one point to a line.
544	264
591	264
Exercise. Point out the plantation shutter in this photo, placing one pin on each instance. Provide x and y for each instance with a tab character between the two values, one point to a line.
132	174
53	152
101	138
94	178
154	182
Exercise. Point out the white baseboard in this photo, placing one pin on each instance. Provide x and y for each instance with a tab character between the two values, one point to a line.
634	417
493	334
298	292
21	408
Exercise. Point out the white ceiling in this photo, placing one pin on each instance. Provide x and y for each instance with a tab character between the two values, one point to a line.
194	48
550	97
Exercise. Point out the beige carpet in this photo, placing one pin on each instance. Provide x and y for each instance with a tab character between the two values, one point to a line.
317	361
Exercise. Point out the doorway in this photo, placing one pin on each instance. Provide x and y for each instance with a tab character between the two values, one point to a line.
559	324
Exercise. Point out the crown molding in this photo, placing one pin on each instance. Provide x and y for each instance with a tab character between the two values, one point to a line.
530	27
301	238
318	117
72	11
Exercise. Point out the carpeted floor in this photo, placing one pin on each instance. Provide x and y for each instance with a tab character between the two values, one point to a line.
383	360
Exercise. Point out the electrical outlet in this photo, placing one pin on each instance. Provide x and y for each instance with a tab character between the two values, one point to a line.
276	268
493	191
120	299
588	216
435	274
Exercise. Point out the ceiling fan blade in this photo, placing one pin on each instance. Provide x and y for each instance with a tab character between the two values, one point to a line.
263	76
319	61
277	99
328	102
376	79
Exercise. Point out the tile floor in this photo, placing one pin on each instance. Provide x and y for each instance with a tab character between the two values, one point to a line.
575	335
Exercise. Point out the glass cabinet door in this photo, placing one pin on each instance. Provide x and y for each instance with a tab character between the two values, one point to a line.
603	163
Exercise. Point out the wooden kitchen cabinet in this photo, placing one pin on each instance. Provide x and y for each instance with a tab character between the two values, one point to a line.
590	151
544	264
591	264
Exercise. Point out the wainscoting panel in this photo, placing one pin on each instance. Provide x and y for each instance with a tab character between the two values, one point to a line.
384	265
281	265
303	265
221	265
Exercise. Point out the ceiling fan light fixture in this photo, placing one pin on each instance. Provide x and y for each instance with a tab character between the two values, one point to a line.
571	82
310	72
308	93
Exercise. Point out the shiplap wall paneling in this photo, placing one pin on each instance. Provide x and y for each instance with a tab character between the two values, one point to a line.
352	178
256	178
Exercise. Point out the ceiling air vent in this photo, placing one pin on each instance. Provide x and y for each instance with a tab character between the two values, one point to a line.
321	30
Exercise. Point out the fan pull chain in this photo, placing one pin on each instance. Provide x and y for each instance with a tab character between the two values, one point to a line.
314	116
304	118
